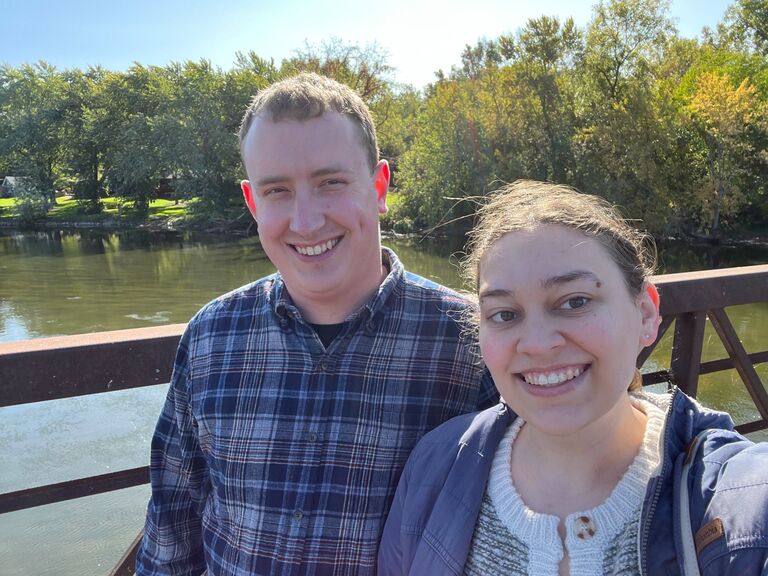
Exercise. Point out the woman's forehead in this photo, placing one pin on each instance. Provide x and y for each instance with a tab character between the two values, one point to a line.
547	251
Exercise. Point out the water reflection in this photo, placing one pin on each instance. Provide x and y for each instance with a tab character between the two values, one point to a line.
69	283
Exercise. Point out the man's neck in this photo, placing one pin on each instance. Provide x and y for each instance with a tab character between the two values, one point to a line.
334	309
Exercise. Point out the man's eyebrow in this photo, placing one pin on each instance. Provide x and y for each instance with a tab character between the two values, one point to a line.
333	169
278	178
497	293
569	277
270	180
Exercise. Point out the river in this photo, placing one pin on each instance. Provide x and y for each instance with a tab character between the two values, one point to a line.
54	283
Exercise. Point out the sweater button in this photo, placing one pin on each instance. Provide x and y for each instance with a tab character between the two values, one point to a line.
584	528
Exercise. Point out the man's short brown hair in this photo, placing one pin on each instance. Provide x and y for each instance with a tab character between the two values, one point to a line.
309	95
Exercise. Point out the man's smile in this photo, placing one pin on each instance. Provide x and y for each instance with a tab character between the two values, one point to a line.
317	249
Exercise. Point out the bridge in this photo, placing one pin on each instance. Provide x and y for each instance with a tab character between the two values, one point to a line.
70	366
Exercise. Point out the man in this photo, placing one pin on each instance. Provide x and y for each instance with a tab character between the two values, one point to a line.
295	400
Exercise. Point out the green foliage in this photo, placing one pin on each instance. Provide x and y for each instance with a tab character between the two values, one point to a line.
745	27
607	109
450	159
32	202
674	130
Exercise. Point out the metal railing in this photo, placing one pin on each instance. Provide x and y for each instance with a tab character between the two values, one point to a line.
68	366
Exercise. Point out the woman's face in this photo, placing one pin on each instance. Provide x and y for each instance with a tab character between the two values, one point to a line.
559	330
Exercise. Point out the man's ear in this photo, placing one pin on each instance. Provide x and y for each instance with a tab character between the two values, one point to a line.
248	196
649	311
381	183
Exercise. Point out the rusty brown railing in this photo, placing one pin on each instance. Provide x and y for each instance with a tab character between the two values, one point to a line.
687	299
67	366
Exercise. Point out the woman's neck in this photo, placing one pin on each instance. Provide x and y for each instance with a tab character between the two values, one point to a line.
560	475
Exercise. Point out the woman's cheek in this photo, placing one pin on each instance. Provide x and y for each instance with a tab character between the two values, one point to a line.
496	352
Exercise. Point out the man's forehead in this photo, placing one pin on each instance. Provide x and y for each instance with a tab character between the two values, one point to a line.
289	144
327	118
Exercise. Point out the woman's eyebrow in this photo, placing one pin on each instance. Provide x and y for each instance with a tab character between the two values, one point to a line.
569	277
545	284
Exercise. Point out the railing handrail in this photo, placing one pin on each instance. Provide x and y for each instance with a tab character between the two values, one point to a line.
53	368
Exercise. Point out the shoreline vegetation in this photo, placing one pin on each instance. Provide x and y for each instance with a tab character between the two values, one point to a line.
172	215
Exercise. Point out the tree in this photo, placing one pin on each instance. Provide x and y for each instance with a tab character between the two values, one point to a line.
547	51
364	69
198	131
624	39
394	114
139	153
450	159
745	26
87	137
621	144
32	100
723	114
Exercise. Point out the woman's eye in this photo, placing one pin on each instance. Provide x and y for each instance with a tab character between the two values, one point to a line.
574	303
503	316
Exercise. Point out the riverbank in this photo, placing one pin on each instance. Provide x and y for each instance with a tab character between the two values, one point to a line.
162	215
170	215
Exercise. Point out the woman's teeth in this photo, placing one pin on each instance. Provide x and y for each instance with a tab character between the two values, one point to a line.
551	378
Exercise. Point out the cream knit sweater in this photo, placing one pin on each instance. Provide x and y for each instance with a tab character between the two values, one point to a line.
511	539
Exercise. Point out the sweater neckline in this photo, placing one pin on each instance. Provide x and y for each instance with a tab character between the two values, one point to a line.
607	519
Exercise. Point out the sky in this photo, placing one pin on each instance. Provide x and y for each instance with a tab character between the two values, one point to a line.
418	36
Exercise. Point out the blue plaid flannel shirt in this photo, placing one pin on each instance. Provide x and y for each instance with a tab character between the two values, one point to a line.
274	455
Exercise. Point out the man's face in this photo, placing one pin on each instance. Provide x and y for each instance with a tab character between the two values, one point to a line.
317	205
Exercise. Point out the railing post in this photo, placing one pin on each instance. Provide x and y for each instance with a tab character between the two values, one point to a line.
686	351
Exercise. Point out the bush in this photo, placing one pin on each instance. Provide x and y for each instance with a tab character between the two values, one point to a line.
32	203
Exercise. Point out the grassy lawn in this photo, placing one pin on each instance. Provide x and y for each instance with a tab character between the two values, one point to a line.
6	205
67	209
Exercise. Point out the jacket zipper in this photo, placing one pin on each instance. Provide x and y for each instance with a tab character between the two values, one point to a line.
646	527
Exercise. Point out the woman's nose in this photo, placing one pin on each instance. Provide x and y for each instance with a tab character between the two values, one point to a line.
538	336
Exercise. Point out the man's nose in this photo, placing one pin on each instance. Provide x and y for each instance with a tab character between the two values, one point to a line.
308	214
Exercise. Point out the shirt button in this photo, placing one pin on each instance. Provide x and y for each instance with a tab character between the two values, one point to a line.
297	515
312	437
584	528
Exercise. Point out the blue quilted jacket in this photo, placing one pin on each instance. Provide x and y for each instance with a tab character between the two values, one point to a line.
430	526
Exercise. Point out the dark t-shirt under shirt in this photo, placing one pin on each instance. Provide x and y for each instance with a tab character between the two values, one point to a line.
327	332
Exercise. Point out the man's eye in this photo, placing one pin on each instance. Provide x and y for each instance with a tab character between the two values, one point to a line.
574	303
503	316
273	191
332	182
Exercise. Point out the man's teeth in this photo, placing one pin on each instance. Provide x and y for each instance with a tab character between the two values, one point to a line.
552	378
318	249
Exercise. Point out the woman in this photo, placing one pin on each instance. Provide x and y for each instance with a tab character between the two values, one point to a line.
575	471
